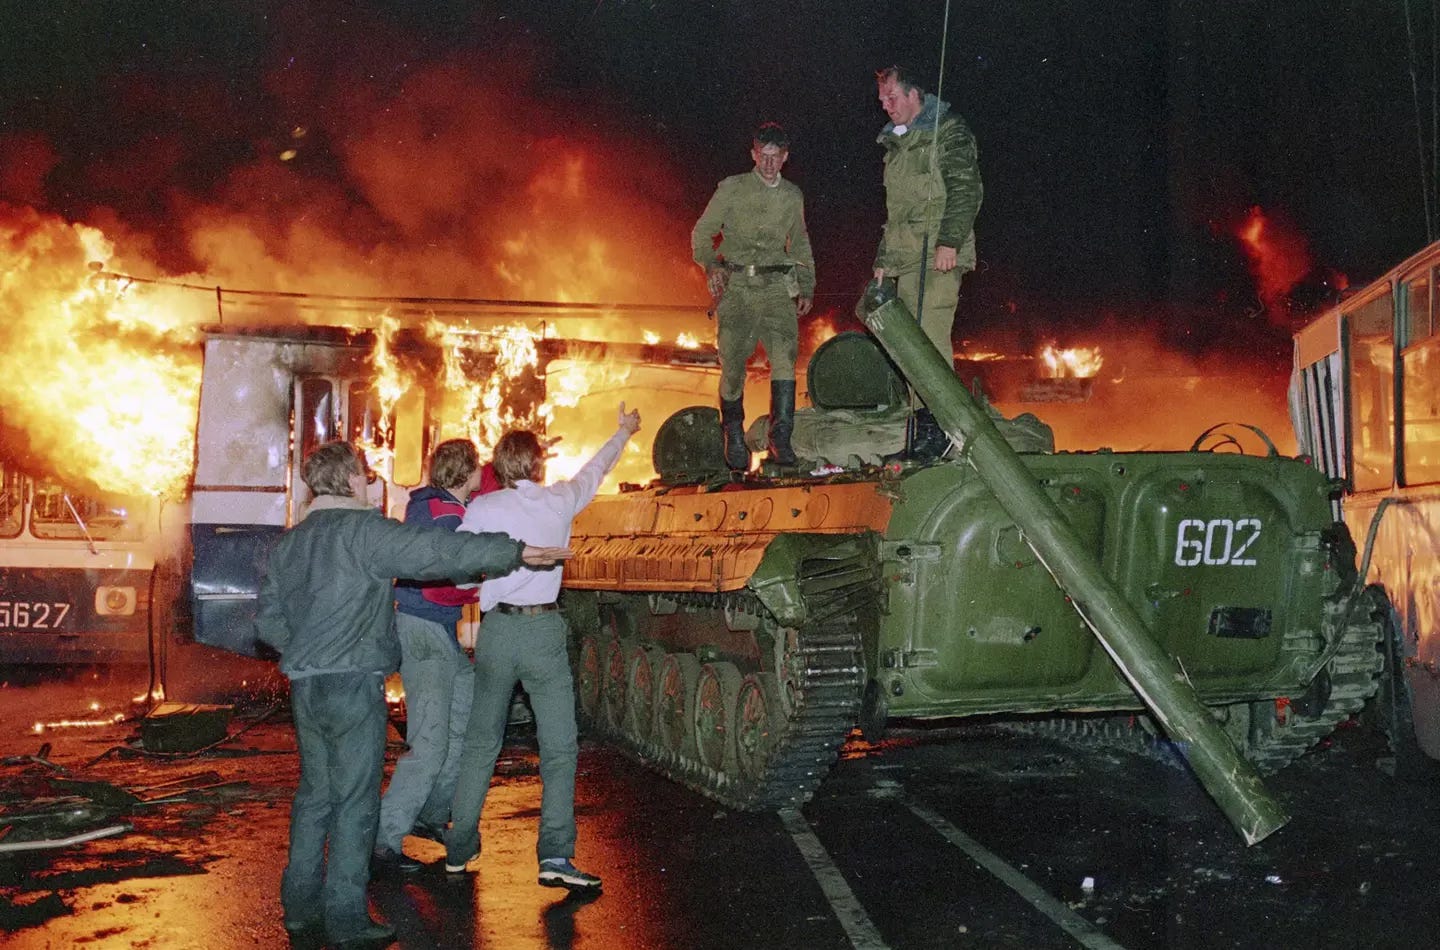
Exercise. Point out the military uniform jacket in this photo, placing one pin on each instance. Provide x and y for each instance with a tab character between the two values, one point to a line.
920	202
758	225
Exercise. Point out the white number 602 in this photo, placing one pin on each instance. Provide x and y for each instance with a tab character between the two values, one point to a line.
1216	542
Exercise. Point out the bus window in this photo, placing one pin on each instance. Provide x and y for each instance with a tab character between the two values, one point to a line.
1417	322
1372	393
315	415
367	429
62	515
12	502
1420	385
367	426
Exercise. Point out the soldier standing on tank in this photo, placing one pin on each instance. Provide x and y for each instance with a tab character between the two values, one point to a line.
761	273
932	194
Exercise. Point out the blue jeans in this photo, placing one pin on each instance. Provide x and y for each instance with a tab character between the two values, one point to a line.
439	685
530	650
340	727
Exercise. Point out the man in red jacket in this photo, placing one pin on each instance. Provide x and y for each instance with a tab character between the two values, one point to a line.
437	675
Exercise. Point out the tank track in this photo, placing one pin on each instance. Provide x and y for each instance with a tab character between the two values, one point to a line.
823	678
1346	683
1264	735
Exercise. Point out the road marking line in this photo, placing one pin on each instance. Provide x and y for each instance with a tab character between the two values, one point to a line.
1072	923
847	909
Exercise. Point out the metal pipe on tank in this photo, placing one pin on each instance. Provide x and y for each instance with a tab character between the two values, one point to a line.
1156	677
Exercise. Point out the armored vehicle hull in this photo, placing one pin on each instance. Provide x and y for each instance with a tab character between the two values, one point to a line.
732	633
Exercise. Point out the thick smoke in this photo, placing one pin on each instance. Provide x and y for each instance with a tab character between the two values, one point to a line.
362	162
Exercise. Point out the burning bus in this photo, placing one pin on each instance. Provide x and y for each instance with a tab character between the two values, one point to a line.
1365	401
271	394
109	576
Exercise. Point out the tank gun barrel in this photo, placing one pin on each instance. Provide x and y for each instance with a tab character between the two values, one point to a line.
1155	676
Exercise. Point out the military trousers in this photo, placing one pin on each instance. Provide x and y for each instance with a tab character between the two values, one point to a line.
531	650
340	727
942	294
439	685
755	310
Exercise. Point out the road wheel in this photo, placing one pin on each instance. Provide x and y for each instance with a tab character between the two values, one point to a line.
675	703
587	679
641	676
715	695
758	723
612	700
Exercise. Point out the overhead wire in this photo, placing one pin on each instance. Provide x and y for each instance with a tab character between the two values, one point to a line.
1427	183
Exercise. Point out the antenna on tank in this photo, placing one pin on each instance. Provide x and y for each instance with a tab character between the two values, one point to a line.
940	86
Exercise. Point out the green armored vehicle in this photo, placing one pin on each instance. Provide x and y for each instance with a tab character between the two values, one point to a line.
731	633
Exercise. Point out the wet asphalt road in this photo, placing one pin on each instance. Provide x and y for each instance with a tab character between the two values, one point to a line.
958	837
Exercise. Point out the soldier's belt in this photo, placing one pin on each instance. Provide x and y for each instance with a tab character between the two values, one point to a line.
750	270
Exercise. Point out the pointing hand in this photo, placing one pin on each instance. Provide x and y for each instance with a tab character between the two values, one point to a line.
629	421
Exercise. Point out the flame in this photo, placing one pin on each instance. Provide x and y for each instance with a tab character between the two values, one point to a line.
482	391
1277	254
1150	395
1080	362
428	187
104	374
820	327
115	393
685	339
40	727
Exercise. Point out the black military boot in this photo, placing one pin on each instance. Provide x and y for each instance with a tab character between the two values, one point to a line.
929	441
782	421
732	422
925	441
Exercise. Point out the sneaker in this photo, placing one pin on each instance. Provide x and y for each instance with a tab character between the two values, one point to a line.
386	861
562	873
469	866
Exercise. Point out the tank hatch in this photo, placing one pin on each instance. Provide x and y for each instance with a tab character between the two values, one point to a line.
688	447
849	371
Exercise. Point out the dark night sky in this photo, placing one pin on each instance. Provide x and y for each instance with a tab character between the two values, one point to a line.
1119	141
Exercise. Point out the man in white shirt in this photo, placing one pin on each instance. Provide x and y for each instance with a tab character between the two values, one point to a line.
524	638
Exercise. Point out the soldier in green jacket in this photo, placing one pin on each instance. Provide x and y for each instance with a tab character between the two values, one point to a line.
932	194
752	242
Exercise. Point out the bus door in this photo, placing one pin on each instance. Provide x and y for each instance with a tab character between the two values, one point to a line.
266	400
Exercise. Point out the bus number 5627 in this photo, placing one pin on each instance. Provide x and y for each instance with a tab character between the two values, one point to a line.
25	615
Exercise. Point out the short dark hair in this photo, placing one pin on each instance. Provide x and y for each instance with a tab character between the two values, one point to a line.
772	133
328	467
518	456
903	77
